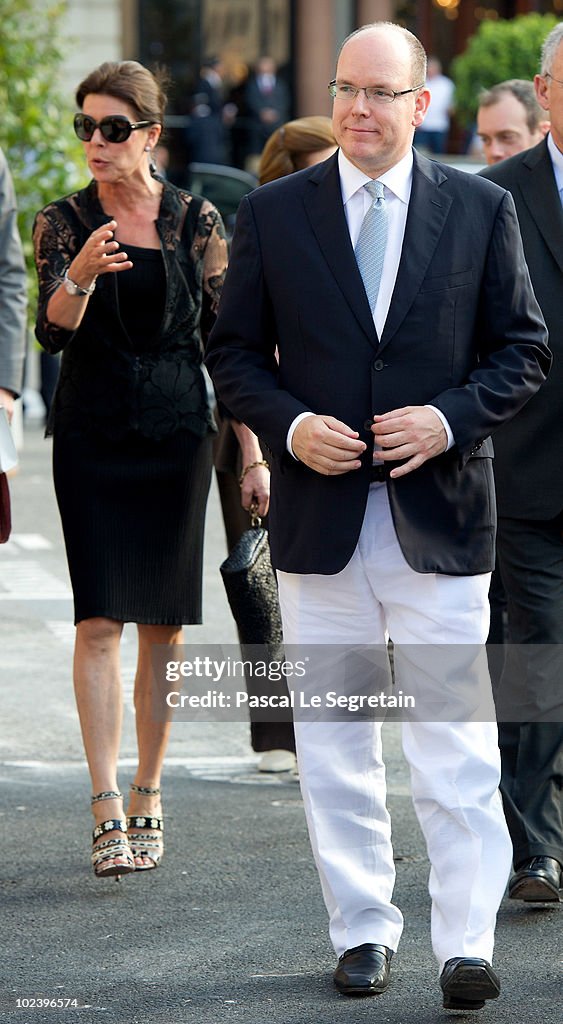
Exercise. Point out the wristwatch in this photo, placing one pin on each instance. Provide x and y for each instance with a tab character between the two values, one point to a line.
74	289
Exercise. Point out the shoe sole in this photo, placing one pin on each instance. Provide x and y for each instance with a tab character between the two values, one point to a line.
360	992
115	871
534	890
469	987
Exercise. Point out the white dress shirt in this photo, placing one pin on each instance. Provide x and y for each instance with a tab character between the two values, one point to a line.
397	183
557	161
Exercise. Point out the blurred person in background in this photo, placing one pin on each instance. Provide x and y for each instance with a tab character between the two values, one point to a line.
295	146
207	135
243	475
432	135
529	487
13	295
266	104
130	269
509	119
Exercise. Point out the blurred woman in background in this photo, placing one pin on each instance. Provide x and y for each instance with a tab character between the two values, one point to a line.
296	145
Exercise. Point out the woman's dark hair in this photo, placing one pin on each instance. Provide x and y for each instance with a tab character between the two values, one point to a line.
129	81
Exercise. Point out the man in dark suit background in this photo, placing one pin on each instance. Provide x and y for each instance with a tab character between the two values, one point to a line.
529	482
377	413
206	133
266	104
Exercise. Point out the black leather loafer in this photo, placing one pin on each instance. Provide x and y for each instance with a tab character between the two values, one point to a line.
537	881
363	970
467	981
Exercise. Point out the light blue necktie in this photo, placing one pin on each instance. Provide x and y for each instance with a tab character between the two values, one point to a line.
370	247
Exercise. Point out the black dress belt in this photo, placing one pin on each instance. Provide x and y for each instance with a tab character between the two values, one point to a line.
378	472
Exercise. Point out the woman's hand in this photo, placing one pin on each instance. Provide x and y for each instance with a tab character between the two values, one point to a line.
254	480
100	254
255	489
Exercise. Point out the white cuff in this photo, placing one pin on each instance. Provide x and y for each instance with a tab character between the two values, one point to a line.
445	425
291	432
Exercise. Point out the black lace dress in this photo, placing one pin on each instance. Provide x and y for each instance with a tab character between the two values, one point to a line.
131	422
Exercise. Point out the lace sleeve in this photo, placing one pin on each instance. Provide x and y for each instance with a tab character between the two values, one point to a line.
54	244
211	242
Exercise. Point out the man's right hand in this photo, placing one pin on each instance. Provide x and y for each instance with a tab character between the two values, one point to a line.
327	445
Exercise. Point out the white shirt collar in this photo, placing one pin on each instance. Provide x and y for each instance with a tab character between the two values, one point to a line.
557	161
398	178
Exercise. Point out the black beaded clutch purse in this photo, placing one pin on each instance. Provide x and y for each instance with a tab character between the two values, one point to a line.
251	587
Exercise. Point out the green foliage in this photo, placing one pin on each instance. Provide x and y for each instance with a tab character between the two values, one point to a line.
36	134
499	50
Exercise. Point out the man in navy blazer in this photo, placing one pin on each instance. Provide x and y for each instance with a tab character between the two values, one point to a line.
529	485
382	522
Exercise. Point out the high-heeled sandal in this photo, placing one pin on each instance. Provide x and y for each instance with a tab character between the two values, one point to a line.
149	843
104	854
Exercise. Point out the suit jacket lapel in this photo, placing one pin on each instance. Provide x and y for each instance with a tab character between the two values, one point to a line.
325	211
547	214
428	211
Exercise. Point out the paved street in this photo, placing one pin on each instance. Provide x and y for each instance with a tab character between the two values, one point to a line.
232	927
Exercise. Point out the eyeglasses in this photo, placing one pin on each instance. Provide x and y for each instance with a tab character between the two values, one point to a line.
374	94
115	128
558	80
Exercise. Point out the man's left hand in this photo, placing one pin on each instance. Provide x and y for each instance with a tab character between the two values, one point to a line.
414	433
7	401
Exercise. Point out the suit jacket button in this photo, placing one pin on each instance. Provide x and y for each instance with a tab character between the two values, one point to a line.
379	364
368	424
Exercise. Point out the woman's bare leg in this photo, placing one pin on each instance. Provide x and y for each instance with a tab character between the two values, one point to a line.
97	685
152	735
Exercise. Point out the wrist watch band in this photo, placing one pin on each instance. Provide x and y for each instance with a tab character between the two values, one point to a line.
74	289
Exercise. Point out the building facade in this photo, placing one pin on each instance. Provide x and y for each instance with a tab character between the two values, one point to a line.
301	35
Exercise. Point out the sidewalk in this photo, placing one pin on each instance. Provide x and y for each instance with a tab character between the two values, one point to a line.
232	927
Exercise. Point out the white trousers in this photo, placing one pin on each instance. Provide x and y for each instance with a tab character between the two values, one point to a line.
454	766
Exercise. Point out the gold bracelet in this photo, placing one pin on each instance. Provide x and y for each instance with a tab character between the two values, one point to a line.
253	465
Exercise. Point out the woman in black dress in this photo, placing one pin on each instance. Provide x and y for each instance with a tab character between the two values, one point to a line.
130	269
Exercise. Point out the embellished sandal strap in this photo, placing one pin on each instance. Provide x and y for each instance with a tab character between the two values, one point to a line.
144	821
108	794
111	849
147	848
142	842
111	825
145	790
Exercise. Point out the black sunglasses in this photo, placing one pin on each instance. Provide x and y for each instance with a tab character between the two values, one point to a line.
115	128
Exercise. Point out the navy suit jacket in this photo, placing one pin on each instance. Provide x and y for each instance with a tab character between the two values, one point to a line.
464	333
528	450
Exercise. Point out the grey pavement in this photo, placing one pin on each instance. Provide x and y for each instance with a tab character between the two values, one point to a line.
232	926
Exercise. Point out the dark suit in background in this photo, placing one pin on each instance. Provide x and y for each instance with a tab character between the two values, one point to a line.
206	132
266	104
529	482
